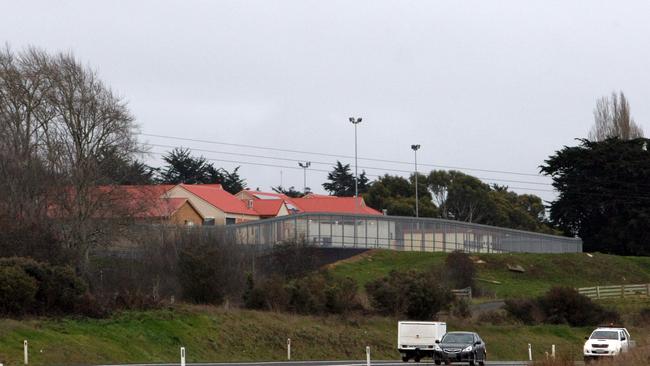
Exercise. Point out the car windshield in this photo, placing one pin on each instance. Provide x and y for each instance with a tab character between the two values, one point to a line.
604	334
458	338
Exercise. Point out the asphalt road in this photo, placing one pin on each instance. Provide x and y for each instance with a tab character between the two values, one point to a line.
325	363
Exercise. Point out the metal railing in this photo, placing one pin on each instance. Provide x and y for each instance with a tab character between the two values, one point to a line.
619	291
397	233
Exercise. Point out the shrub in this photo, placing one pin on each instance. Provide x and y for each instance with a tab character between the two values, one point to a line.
561	305
200	274
643	317
268	294
317	293
58	288
565	305
459	270
494	317
524	310
462	309
17	291
290	260
416	295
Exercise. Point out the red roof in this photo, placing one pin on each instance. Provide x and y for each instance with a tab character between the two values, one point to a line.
267	207
332	204
164	207
219	198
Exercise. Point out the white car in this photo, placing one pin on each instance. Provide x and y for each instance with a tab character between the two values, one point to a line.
607	342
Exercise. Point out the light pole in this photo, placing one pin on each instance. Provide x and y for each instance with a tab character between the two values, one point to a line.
415	150
355	122
304	167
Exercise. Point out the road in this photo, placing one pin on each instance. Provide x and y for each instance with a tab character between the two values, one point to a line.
325	363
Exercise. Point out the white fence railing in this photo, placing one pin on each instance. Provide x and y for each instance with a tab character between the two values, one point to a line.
619	291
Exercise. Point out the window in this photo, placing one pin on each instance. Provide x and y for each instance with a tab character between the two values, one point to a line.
231	221
208	221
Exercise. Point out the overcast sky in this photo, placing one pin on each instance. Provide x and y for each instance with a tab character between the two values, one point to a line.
495	85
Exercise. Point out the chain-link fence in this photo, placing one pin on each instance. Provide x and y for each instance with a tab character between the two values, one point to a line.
398	233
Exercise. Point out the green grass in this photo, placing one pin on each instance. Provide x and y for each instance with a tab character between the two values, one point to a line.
213	334
543	271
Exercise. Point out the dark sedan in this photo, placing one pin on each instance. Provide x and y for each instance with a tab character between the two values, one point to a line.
460	347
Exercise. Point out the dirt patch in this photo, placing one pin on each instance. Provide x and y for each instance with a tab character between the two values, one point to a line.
353	259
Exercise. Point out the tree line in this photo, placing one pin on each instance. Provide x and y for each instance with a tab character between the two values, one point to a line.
64	132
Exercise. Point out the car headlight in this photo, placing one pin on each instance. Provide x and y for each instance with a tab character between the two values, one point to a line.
436	347
468	349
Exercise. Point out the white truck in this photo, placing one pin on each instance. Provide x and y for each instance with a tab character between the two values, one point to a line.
607	342
416	340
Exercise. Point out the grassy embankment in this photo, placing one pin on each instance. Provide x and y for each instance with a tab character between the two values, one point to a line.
213	334
542	271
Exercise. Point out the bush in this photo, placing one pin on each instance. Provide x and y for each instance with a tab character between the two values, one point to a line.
524	310
461	309
58	288
317	293
565	305
413	294
459	270
201	275
561	305
643	317
494	317
17	291
290	260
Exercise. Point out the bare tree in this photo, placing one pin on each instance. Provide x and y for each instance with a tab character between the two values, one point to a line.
612	118
24	116
57	120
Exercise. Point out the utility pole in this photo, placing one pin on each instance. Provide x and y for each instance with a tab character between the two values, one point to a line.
415	150
304	167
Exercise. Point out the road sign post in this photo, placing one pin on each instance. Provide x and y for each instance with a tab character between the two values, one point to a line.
182	356
553	352
25	349
530	352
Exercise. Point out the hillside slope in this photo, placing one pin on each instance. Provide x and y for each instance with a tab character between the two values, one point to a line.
542	271
215	334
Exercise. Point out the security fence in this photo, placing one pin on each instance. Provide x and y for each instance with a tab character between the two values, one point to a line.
397	233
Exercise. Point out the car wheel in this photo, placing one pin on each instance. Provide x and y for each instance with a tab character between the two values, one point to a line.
405	359
416	358
437	362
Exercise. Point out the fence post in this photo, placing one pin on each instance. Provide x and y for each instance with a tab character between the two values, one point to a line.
26	351
623	291
182	356
647	289
530	352
553	351
367	355
289	349
598	292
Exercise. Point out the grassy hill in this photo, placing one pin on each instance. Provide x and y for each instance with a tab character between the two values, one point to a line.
215	334
542	271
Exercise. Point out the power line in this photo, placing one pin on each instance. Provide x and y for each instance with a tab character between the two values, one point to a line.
334	155
331	164
632	198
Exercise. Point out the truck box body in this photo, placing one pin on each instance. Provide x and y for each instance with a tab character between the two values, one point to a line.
417	339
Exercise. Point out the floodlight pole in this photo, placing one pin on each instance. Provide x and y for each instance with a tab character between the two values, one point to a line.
355	122
415	150
304	167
